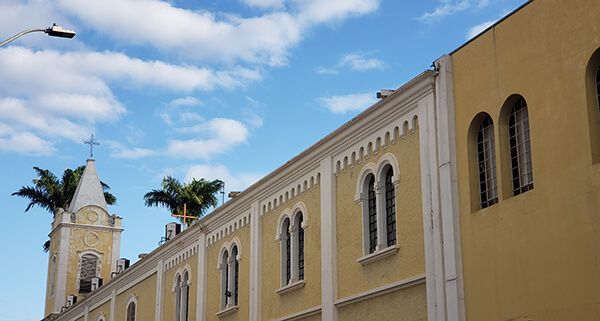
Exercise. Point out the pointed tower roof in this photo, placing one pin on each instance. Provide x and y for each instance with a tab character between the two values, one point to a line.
89	190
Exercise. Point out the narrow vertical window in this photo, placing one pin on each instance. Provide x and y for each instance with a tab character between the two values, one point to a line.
520	148
131	312
300	248
288	251
225	294
236	274
52	275
178	298
372	214
486	159
185	297
390	207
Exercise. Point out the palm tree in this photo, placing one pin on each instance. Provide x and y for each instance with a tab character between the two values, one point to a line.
197	196
50	193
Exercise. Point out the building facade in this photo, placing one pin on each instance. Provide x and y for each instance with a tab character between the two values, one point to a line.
469	193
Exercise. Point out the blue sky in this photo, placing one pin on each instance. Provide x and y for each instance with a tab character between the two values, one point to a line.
227	89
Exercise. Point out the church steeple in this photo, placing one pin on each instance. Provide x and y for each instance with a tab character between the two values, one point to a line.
89	190
84	244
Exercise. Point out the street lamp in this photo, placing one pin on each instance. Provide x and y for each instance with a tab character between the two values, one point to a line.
54	31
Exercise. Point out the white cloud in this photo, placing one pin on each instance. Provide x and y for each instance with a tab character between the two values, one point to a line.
450	7
222	134
474	31
233	182
265	4
358	62
325	11
352	102
26	143
326	71
187	101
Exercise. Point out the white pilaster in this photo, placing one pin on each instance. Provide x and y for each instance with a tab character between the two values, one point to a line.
62	260
113	305
328	242
255	262
159	291
202	270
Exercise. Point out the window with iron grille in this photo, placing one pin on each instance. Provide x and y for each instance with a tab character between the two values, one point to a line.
520	148
288	251
224	281
178	298
236	274
372	214
390	207
300	248
88	270
486	158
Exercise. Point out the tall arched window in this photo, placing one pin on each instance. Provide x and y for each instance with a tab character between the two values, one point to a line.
52	275
520	148
131	311
225	294
390	207
287	250
486	161
372	201
236	274
185	297
177	291
300	246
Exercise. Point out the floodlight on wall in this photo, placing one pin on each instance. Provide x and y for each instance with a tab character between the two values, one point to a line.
54	31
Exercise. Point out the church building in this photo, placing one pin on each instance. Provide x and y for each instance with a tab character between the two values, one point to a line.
472	192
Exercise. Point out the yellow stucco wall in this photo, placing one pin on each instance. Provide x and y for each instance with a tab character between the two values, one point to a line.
145	291
53	250
535	255
404	305
191	263
355	278
213	301
104	308
275	305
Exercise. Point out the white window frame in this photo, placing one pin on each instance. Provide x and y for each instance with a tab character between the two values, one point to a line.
98	264
361	197
132	298
182	281
291	216
226	267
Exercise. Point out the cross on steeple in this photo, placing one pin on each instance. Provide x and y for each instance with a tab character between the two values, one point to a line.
92	142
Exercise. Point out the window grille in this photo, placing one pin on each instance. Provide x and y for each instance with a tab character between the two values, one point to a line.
224	281
288	251
178	299
520	148
486	156
186	297
300	248
131	312
236	273
89	266
372	215
390	207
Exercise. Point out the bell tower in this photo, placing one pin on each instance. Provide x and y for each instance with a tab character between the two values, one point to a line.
84	245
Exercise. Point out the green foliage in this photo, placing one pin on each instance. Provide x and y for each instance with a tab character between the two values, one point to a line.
198	196
50	193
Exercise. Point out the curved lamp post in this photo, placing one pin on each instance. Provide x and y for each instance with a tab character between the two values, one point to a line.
54	31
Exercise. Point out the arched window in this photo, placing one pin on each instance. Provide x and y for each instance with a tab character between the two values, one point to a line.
486	161
236	274
520	148
372	203
185	297
300	243
390	207
131	311
88	269
177	291
287	251
225	294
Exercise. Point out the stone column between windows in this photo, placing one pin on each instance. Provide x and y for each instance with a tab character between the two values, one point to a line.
293	253
231	279
380	208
